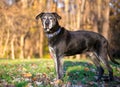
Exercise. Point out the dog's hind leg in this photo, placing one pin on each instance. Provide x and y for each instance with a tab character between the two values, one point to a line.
96	61
103	57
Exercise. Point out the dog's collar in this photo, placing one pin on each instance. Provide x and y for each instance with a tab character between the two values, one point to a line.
53	34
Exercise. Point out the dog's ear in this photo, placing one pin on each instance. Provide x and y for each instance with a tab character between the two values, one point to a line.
39	16
56	15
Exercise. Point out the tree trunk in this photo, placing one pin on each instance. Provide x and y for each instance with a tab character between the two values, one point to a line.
67	12
78	14
82	8
12	48
24	3
105	15
43	5
22	43
41	43
6	43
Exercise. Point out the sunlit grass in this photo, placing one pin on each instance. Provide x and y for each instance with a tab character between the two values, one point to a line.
41	72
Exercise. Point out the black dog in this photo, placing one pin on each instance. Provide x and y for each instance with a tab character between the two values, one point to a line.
66	43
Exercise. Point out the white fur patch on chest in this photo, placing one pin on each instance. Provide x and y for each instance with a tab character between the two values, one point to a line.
52	52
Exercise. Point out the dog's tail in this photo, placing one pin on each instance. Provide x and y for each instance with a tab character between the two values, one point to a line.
110	56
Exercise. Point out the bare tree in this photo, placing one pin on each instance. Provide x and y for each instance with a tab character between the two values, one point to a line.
19	29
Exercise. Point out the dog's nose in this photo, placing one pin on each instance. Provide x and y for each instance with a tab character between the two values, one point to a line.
47	22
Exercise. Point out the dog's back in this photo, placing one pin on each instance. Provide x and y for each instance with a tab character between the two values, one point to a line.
81	41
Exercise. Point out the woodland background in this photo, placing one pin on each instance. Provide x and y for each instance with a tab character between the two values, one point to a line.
21	36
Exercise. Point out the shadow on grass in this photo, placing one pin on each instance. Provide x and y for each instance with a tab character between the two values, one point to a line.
68	64
85	73
79	72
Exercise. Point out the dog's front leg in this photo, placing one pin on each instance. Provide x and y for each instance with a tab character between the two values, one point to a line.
59	67
57	62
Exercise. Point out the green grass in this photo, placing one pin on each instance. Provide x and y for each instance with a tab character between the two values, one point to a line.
11	71
41	73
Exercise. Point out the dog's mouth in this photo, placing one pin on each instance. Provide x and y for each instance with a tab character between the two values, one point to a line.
47	30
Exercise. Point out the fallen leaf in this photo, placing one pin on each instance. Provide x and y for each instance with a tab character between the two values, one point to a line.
58	81
44	75
48	68
86	69
34	78
26	75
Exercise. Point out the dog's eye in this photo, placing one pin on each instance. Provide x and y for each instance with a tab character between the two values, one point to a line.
50	18
43	18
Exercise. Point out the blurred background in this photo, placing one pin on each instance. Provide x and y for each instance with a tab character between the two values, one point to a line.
21	36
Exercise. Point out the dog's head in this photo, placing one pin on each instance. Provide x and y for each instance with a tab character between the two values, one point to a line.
49	20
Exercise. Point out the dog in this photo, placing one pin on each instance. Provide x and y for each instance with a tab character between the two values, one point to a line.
63	42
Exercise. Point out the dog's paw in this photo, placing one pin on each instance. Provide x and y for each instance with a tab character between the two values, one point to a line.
58	82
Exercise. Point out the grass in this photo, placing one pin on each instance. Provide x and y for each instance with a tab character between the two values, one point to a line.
41	73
